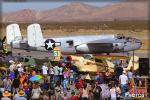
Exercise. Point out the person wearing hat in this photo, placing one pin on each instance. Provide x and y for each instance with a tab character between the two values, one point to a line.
64	96
12	65
15	84
6	95
11	61
71	77
123	79
7	83
20	95
26	89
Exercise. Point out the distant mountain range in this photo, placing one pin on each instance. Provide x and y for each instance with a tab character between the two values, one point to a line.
82	12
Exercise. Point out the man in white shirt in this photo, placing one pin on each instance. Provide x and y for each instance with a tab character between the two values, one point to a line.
123	81
19	64
44	69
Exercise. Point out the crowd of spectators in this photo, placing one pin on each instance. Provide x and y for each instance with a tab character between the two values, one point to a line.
61	81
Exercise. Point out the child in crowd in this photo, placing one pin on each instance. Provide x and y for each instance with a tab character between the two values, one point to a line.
65	97
113	92
118	91
71	77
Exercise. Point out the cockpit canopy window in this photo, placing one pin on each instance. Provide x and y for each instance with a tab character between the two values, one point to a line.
70	42
120	36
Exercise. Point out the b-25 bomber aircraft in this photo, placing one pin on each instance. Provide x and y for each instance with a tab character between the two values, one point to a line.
82	44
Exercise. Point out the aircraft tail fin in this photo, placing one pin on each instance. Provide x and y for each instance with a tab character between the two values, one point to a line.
12	31
34	35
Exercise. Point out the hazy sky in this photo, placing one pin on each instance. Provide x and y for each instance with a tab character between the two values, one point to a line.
14	6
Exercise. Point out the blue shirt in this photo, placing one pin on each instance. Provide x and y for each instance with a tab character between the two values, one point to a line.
20	98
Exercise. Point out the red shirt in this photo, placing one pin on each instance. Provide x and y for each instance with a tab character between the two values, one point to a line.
79	84
73	97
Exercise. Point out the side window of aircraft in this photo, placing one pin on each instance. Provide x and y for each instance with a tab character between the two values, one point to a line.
70	42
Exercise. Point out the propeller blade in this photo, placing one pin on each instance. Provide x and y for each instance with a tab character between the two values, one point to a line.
4	39
1	45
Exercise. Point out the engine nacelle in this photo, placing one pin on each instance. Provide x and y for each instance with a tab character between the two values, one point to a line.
82	48
95	48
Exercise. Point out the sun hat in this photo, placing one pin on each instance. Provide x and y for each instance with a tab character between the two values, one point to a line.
88	77
11	61
6	93
25	84
21	93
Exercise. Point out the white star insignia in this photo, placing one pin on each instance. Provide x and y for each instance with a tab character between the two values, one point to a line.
49	44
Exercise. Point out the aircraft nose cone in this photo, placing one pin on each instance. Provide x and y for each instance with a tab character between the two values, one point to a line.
137	41
134	44
140	42
137	44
